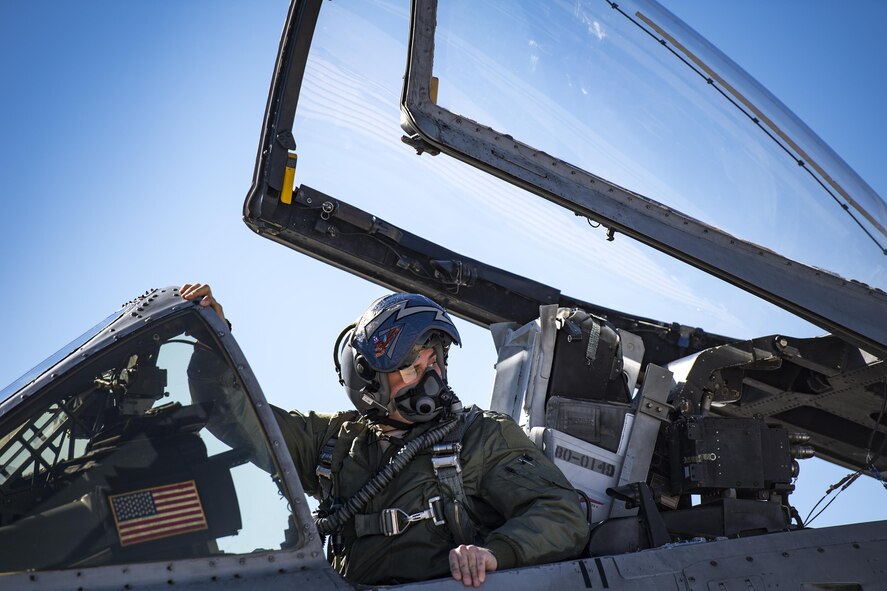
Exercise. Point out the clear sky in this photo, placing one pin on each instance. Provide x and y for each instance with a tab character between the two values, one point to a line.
128	134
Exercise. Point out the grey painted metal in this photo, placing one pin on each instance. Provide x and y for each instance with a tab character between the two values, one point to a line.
514	346
827	558
254	571
540	370
790	560
632	357
523	367
652	411
838	305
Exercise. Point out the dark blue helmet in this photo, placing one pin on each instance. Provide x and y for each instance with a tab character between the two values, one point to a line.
386	338
394	325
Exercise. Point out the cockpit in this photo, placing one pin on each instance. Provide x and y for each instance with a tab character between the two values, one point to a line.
149	450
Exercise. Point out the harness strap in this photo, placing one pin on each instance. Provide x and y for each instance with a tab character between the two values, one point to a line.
392	522
448	470
327	505
324	470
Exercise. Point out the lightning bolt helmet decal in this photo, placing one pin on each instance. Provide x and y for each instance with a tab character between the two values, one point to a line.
387	333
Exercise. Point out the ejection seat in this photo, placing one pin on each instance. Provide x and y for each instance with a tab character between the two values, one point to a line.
569	379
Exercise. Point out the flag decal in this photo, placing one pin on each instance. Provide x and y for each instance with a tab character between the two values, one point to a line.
157	512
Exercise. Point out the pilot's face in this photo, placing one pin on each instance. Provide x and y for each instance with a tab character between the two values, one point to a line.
410	375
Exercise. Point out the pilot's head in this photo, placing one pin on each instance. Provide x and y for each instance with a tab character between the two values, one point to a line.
394	360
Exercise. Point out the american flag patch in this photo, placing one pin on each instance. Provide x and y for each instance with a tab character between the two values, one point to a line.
157	512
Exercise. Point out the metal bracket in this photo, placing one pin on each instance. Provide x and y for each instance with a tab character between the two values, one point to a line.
652	412
419	145
446	455
655	409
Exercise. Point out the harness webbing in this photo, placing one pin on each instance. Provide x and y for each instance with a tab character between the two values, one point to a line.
451	508
448	470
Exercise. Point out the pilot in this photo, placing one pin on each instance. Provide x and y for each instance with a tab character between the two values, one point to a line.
476	495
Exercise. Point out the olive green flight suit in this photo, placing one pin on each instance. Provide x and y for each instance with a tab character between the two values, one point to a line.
525	509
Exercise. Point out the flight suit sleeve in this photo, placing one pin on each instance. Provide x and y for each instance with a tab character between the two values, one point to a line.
214	387
305	435
544	521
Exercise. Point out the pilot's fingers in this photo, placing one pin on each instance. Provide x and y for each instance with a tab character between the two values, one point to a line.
470	564
459	566
474	565
191	291
203	293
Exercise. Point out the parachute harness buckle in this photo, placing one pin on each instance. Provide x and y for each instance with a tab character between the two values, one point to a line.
395	521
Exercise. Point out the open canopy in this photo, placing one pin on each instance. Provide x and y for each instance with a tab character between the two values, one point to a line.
624	119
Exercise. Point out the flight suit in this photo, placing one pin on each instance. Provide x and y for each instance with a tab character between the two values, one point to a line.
523	508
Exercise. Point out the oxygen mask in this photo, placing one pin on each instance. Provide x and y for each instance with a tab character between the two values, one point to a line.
425	400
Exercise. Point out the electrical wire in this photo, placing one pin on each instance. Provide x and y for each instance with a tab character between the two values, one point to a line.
870	459
841	486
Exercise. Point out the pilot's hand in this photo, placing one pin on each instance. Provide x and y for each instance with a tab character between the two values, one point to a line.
204	294
470	564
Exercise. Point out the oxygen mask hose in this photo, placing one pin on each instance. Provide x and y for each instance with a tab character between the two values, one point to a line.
383	477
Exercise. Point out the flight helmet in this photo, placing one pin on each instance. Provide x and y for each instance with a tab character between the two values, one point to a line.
386	338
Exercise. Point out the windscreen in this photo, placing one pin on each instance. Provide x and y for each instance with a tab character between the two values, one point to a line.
150	451
41	367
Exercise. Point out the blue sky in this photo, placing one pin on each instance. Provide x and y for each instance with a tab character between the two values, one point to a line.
129	133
